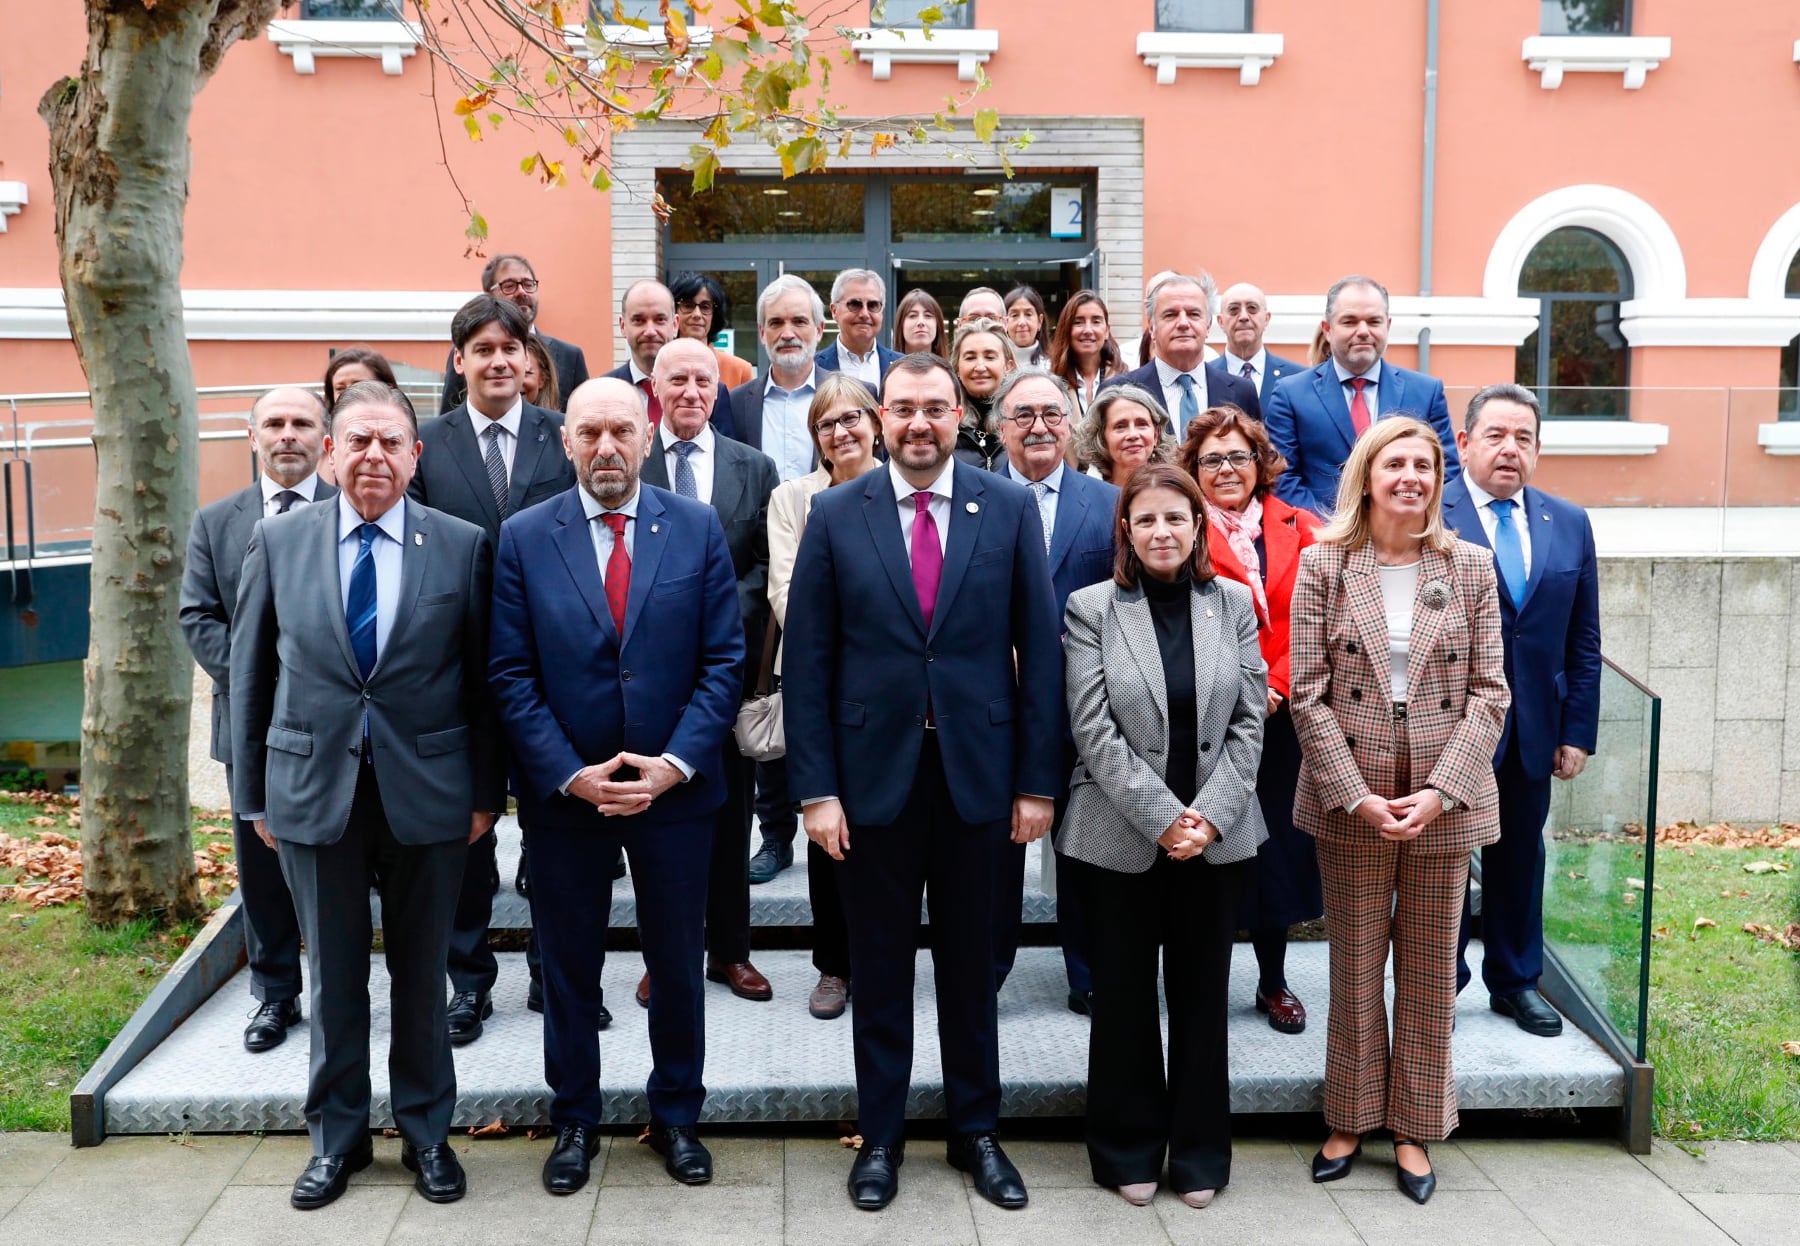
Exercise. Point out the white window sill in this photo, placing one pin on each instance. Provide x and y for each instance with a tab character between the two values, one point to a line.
1168	51
639	45
1603	438
1781	437
1632	56
306	41
881	49
13	197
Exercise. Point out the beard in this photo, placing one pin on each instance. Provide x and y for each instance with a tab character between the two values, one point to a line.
605	489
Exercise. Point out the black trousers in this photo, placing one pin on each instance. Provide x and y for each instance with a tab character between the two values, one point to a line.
728	870
831	933
1185	914
271	928
472	966
927	850
418	884
1071	919
1512	887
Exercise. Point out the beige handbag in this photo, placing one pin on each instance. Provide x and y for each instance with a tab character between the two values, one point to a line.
760	733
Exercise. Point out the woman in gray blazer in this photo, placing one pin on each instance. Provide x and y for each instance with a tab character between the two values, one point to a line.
1166	688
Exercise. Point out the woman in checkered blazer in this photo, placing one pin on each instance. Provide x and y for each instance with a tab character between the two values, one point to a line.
1399	693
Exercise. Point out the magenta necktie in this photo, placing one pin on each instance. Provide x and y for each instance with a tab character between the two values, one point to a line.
927	555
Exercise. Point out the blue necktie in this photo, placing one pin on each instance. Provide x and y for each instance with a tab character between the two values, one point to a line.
1190	406
1508	552
685	484
359	610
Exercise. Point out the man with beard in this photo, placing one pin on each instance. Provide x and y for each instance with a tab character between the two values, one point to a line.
647	324
924	686
772	409
617	665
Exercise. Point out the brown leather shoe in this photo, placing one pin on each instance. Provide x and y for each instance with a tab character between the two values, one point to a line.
1286	1013
829	998
643	991
745	981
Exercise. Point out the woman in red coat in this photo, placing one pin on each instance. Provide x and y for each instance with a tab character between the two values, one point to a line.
1255	538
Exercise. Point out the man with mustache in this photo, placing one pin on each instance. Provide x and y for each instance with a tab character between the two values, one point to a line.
772	408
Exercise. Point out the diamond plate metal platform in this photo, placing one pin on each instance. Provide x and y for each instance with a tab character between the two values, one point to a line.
771	1062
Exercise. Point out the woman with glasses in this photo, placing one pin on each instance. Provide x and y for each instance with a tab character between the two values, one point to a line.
982	355
1255	538
1083	352
702	312
1124	429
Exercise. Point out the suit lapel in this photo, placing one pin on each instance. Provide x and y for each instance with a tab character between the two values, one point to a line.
967	510
1428	620
414	549
1139	635
576	545
656	467
652	538
1206	625
1071	513
728	480
1535	517
465	449
534	435
883	517
1390	392
325	568
1362	584
244	517
1331	401
1281	542
1460	515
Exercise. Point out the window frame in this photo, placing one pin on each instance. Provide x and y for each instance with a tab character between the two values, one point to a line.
1547	300
956	16
386	11
1624	30
1249	26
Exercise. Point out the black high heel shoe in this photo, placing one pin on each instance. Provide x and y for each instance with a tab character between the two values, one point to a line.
1325	1169
1415	1186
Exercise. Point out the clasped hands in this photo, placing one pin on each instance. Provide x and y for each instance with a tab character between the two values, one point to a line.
1187	836
1404	818
827	826
624	797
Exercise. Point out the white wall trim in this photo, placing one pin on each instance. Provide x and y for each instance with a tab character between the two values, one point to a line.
13	197
1168	51
1658	271
1779	437
264	315
1603	438
1453	320
305	41
1710	322
881	48
1768	271
1632	56
639	45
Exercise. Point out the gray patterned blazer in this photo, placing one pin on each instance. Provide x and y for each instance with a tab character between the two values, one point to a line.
1118	711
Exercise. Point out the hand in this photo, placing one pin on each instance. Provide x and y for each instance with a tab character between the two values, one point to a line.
1031	817
1570	761
1275	700
1187	836
262	833
1414	814
1374	810
624	797
825	826
480	824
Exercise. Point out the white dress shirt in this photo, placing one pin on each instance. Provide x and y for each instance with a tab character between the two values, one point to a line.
865	368
1371	391
387	562
509	432
939	506
308	489
1167	373
785	437
702	460
1259	365
1490	521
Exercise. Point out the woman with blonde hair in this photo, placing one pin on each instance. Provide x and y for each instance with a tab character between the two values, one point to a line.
981	355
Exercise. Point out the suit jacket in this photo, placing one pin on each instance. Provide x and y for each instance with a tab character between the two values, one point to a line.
743	479
298	700
567	358
1222	389
1275	368
452	474
827	360
573	691
724	422
1119	805
861	668
1342	704
1081	542
1286	532
209	588
1552	642
1308	420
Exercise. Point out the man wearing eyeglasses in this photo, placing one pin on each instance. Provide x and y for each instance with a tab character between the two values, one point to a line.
511	277
858	297
1076	510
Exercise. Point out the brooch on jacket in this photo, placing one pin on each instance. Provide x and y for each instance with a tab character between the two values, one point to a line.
1435	593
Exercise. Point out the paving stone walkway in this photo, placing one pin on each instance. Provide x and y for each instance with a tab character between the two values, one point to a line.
145	1191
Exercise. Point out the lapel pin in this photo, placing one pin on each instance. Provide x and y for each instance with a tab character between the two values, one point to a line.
1209	612
655	528
418	538
971	508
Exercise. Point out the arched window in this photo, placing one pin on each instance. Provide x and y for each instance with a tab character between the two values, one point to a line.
1577	358
1790	354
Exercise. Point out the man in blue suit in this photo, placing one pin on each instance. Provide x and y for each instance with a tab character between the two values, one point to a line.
1550	617
858	299
1077	511
647	323
616	663
1244	316
923	678
1315	417
1179	307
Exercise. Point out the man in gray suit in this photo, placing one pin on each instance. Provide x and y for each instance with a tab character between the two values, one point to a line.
365	750
287	427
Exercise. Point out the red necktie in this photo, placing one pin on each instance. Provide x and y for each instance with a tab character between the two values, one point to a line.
1359	406
927	555
618	573
655	406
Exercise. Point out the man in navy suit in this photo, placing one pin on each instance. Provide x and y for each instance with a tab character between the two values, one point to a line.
1077	511
1244	315
616	664
772	406
511	277
858	298
647	323
1550	617
1179	309
923	677
1316	416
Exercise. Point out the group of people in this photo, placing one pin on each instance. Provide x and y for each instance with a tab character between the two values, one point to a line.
1248	640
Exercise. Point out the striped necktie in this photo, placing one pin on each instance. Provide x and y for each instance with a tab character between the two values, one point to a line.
359	609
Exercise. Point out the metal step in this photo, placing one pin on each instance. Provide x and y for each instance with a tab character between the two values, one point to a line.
771	1062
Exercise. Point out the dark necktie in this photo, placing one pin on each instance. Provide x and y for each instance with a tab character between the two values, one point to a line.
927	555
655	406
1359	406
1249	373
1509	551
496	468
618	573
285	500
359	610
1190	406
685	483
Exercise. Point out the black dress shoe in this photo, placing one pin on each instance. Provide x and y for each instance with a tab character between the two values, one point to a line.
772	858
468	1009
534	1002
440	1174
1081	1003
566	1171
618	869
980	1156
1324	1169
328	1176
521	879
269	1024
1531	1011
1416	1187
684	1155
875	1177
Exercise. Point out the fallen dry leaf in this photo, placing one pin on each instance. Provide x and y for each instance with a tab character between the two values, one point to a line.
1766	867
493	1129
1790	1048
1704	923
853	1141
1635	884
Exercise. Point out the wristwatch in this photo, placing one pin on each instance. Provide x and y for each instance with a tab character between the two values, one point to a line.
1446	799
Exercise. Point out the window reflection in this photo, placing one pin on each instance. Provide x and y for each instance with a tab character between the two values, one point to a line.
1577	358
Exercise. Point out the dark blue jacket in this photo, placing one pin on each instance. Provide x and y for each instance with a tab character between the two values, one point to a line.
1081	544
827	360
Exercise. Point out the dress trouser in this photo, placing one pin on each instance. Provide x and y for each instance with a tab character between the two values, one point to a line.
1183	914
271	928
1009	903
418	885
927	851
831	935
1512	887
728	871
472	966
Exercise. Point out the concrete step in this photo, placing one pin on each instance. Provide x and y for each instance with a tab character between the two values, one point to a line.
771	1062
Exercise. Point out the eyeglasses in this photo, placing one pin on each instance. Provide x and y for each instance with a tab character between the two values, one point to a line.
512	285
693	305
1213	464
847	421
859	306
906	412
1025	417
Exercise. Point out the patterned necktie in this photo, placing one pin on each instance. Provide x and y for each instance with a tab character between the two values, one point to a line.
496	468
655	405
685	483
359	609
284	501
1509	552
1190	406
927	555
1249	373
618	572
1359	406
1046	514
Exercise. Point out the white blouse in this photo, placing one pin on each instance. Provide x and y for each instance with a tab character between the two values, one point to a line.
1399	585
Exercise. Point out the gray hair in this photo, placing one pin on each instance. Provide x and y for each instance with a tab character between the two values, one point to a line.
857	274
787	283
374	394
1090	434
1166	280
1506	391
1018	376
1344	283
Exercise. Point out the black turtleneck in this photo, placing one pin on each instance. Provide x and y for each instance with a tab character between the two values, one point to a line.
1171	612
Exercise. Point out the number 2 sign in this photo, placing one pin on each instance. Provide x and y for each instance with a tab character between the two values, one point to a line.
1067	212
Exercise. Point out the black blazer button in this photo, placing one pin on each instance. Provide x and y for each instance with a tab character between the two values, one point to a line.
625	675
1349	741
1444	704
930	656
1349	646
1356	694
1206	746
918	720
1449	657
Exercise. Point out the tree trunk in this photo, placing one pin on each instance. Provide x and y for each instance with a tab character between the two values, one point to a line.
119	163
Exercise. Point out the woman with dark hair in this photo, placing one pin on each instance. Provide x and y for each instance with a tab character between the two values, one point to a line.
352	364
981	356
919	325
1125	428
1255	538
702	312
538	383
1028	325
1166	695
1083	352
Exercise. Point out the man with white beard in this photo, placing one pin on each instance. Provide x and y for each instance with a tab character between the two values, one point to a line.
772	407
